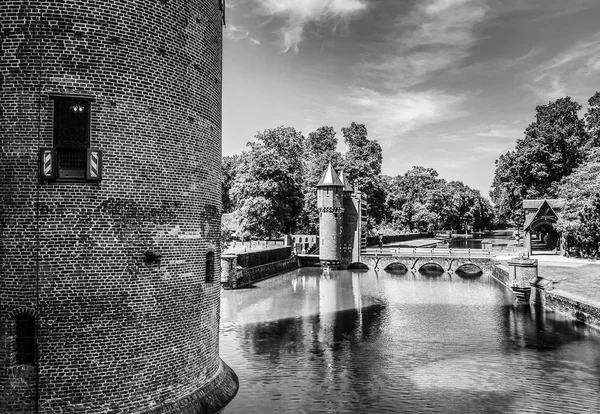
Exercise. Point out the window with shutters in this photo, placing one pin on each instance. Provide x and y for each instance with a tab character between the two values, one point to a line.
71	136
71	157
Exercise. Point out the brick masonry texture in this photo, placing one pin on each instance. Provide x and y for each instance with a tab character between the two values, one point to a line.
330	205
115	333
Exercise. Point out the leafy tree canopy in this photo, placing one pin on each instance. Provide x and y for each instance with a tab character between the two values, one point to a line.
268	187
554	145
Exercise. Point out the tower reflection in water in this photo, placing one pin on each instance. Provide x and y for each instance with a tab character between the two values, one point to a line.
367	341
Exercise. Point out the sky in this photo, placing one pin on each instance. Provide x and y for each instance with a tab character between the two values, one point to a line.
446	84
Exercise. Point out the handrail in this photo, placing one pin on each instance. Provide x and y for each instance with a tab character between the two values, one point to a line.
430	252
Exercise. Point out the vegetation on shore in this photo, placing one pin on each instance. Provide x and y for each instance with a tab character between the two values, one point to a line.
272	186
559	157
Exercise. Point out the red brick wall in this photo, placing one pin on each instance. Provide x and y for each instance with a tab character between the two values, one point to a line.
115	333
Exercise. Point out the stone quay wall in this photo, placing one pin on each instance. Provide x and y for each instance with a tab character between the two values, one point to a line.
234	276
543	294
117	270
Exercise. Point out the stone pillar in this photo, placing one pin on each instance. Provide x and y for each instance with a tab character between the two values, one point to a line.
527	243
522	271
229	271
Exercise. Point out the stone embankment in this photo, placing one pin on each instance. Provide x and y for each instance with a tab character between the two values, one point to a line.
566	285
239	270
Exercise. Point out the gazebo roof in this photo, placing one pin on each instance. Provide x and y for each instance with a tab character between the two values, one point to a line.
546	209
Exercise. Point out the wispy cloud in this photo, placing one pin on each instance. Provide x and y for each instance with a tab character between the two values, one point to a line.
236	33
393	115
297	15
500	132
558	76
435	35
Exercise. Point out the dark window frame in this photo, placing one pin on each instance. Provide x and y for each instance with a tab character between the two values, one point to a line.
210	267
71	152
25	339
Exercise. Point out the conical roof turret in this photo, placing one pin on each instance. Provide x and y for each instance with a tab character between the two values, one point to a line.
330	178
344	179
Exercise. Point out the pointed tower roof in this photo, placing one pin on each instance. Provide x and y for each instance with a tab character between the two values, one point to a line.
344	179
330	178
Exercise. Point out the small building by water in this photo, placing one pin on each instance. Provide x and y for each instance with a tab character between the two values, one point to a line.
539	226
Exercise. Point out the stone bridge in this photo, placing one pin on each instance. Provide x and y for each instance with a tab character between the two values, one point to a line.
414	259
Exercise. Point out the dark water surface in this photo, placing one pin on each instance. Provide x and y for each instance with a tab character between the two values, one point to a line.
371	342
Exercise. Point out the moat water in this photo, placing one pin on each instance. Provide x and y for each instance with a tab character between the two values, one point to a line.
371	342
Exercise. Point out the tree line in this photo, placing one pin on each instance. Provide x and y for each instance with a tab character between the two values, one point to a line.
271	186
559	157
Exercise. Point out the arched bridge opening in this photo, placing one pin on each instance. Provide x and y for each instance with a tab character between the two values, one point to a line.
396	268
468	270
358	266
431	269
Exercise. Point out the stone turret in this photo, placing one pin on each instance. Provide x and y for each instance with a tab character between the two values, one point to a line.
330	202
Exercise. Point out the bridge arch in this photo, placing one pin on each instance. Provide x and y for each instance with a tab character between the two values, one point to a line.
469	268
358	266
432	268
396	267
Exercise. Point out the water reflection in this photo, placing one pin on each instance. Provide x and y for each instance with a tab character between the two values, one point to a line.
385	342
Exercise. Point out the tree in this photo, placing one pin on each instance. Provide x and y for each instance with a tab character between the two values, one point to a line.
228	170
580	217
592	120
268	186
320	150
362	164
554	145
420	200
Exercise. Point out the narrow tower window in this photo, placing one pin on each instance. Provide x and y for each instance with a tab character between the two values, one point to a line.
25	339
210	267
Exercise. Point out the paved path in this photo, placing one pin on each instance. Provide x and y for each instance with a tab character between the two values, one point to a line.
575	278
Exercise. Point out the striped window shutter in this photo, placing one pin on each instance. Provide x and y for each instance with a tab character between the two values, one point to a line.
94	165
48	163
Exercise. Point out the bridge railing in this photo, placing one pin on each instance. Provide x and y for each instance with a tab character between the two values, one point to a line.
430	252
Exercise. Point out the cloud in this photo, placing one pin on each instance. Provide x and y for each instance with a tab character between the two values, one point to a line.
561	74
500	132
298	14
393	115
236	33
433	36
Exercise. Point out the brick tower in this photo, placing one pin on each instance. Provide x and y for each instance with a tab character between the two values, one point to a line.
350	221
110	169
330	205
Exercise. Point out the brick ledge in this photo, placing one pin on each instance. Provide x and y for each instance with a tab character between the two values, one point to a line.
211	398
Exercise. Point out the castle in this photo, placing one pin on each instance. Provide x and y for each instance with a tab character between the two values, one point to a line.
342	220
110	180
